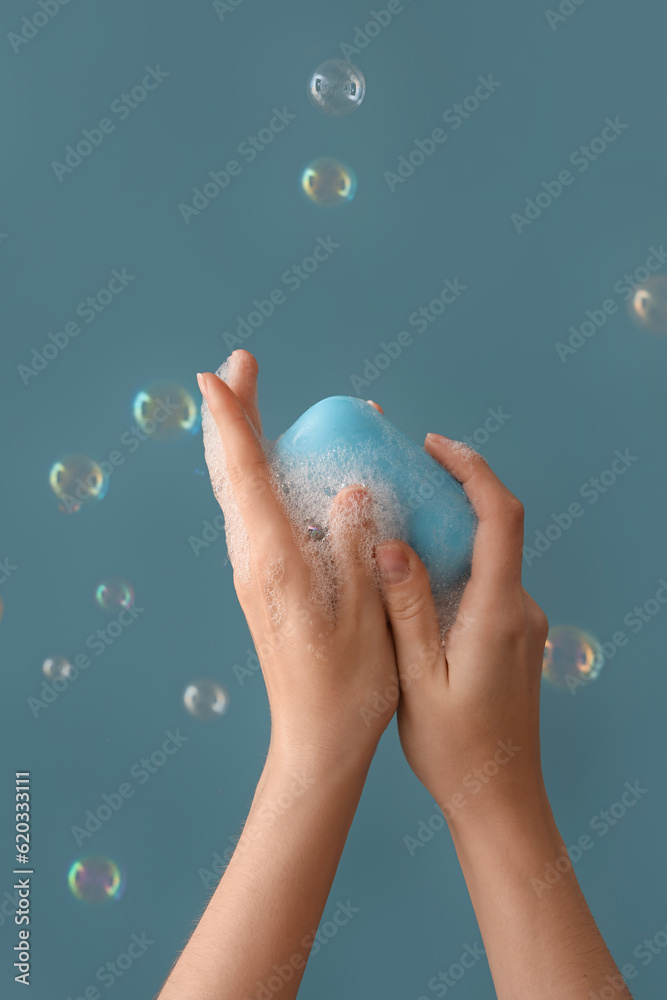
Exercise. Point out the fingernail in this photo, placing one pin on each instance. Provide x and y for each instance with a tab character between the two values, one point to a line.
354	496
438	438
393	563
201	382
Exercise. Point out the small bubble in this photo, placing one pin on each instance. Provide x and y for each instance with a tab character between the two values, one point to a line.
336	87
206	699
57	668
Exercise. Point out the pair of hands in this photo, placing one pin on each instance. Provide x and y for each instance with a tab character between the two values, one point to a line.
334	686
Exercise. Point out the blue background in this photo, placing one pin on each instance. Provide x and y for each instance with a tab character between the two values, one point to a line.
495	347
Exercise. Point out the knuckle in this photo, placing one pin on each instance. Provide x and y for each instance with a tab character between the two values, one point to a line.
408	606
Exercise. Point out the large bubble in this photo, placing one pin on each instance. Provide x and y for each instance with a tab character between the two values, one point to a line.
166	411
336	87
571	656
648	306
96	879
327	183
206	699
77	481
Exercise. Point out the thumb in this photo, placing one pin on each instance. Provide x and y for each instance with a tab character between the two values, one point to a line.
406	589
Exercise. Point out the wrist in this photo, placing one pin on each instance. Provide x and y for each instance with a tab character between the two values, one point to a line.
316	762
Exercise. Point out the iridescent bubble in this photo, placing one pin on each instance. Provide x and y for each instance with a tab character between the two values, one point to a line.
315	531
327	182
57	668
77	481
165	411
113	594
96	880
206	699
336	87
649	304
571	656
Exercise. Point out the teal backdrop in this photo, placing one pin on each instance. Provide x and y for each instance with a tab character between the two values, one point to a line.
544	202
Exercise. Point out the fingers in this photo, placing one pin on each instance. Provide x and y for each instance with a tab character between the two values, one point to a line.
375	406
409	602
250	477
498	551
351	537
243	370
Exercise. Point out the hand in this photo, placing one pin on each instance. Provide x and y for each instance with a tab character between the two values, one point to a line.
469	713
319	670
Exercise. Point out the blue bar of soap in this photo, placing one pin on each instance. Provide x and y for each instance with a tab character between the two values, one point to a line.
437	517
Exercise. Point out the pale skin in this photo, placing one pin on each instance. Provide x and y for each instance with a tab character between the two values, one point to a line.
472	706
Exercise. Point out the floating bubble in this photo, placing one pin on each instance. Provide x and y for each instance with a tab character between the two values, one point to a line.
77	481
166	411
96	880
57	668
571	656
114	593
336	87
327	182
316	531
648	305
206	699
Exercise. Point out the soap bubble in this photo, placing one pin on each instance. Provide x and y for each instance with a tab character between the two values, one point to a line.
570	657
327	182
649	304
336	87
206	699
114	593
165	411
96	880
77	481
57	668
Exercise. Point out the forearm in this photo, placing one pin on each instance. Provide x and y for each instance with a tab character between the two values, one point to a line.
540	937
268	905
